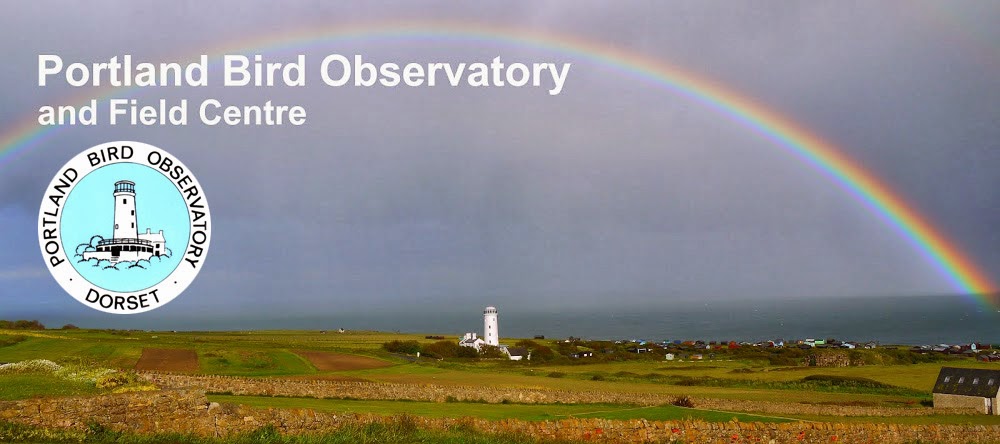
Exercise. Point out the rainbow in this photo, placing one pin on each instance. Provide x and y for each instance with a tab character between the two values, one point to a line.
824	156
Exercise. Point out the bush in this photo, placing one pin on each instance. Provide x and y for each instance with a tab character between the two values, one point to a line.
783	360
121	379
21	324
556	375
397	346
30	366
597	378
539	352
448	349
683	401
491	351
11	340
70	327
846	381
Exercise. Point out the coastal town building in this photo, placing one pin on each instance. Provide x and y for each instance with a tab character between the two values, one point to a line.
967	388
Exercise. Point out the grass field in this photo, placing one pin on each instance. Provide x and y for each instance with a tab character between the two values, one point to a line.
390	433
28	386
528	412
359	356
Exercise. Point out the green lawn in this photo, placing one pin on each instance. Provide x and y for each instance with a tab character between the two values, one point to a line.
244	362
268	353
23	386
528	412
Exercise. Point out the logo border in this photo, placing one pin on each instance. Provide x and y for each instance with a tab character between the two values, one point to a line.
59	263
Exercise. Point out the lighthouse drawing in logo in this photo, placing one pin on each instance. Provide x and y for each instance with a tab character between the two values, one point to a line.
122	225
126	243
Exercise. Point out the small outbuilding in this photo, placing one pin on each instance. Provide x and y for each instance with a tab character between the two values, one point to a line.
967	388
518	353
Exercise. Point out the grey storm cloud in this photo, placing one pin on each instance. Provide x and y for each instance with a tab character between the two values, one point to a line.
615	192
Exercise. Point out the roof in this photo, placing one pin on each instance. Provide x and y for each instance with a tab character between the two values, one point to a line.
517	351
471	340
152	237
968	382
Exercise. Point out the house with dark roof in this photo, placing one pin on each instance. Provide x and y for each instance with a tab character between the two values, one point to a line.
967	388
517	353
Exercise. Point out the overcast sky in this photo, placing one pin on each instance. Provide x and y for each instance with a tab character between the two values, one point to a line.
615	194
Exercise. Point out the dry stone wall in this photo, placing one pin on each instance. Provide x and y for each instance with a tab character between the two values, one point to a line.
834	359
976	403
442	393
188	411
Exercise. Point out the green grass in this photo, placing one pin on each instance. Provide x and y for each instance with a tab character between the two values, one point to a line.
527	412
398	430
23	386
244	362
268	354
924	419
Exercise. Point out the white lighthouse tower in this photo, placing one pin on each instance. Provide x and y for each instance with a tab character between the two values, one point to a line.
126	243
491	331
125	222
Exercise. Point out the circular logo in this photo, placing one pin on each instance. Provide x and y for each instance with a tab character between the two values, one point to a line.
124	227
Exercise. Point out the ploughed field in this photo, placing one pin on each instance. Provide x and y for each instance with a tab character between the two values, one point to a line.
359	356
167	359
328	361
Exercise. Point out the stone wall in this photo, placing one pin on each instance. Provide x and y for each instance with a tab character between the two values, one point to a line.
946	401
831	358
442	393
188	411
138	412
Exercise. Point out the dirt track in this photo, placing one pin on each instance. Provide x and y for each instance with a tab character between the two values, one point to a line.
173	360
326	361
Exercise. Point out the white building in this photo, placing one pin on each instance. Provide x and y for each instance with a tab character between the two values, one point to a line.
491	336
490	327
126	244
471	340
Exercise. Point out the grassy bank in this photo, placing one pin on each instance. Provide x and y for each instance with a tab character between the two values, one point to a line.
527	412
399	430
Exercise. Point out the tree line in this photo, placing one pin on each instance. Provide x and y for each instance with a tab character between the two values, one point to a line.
24	324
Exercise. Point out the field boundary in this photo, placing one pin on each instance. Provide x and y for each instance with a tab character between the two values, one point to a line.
440	393
188	411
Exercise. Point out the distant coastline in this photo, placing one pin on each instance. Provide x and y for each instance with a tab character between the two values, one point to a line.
916	320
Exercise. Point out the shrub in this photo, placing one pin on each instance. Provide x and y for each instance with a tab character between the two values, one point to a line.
597	378
397	346
556	375
113	380
846	381
21	324
539	352
491	351
683	401
448	349
783	360
11	340
31	366
70	327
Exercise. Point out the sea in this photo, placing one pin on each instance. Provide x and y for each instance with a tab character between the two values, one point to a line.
911	320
